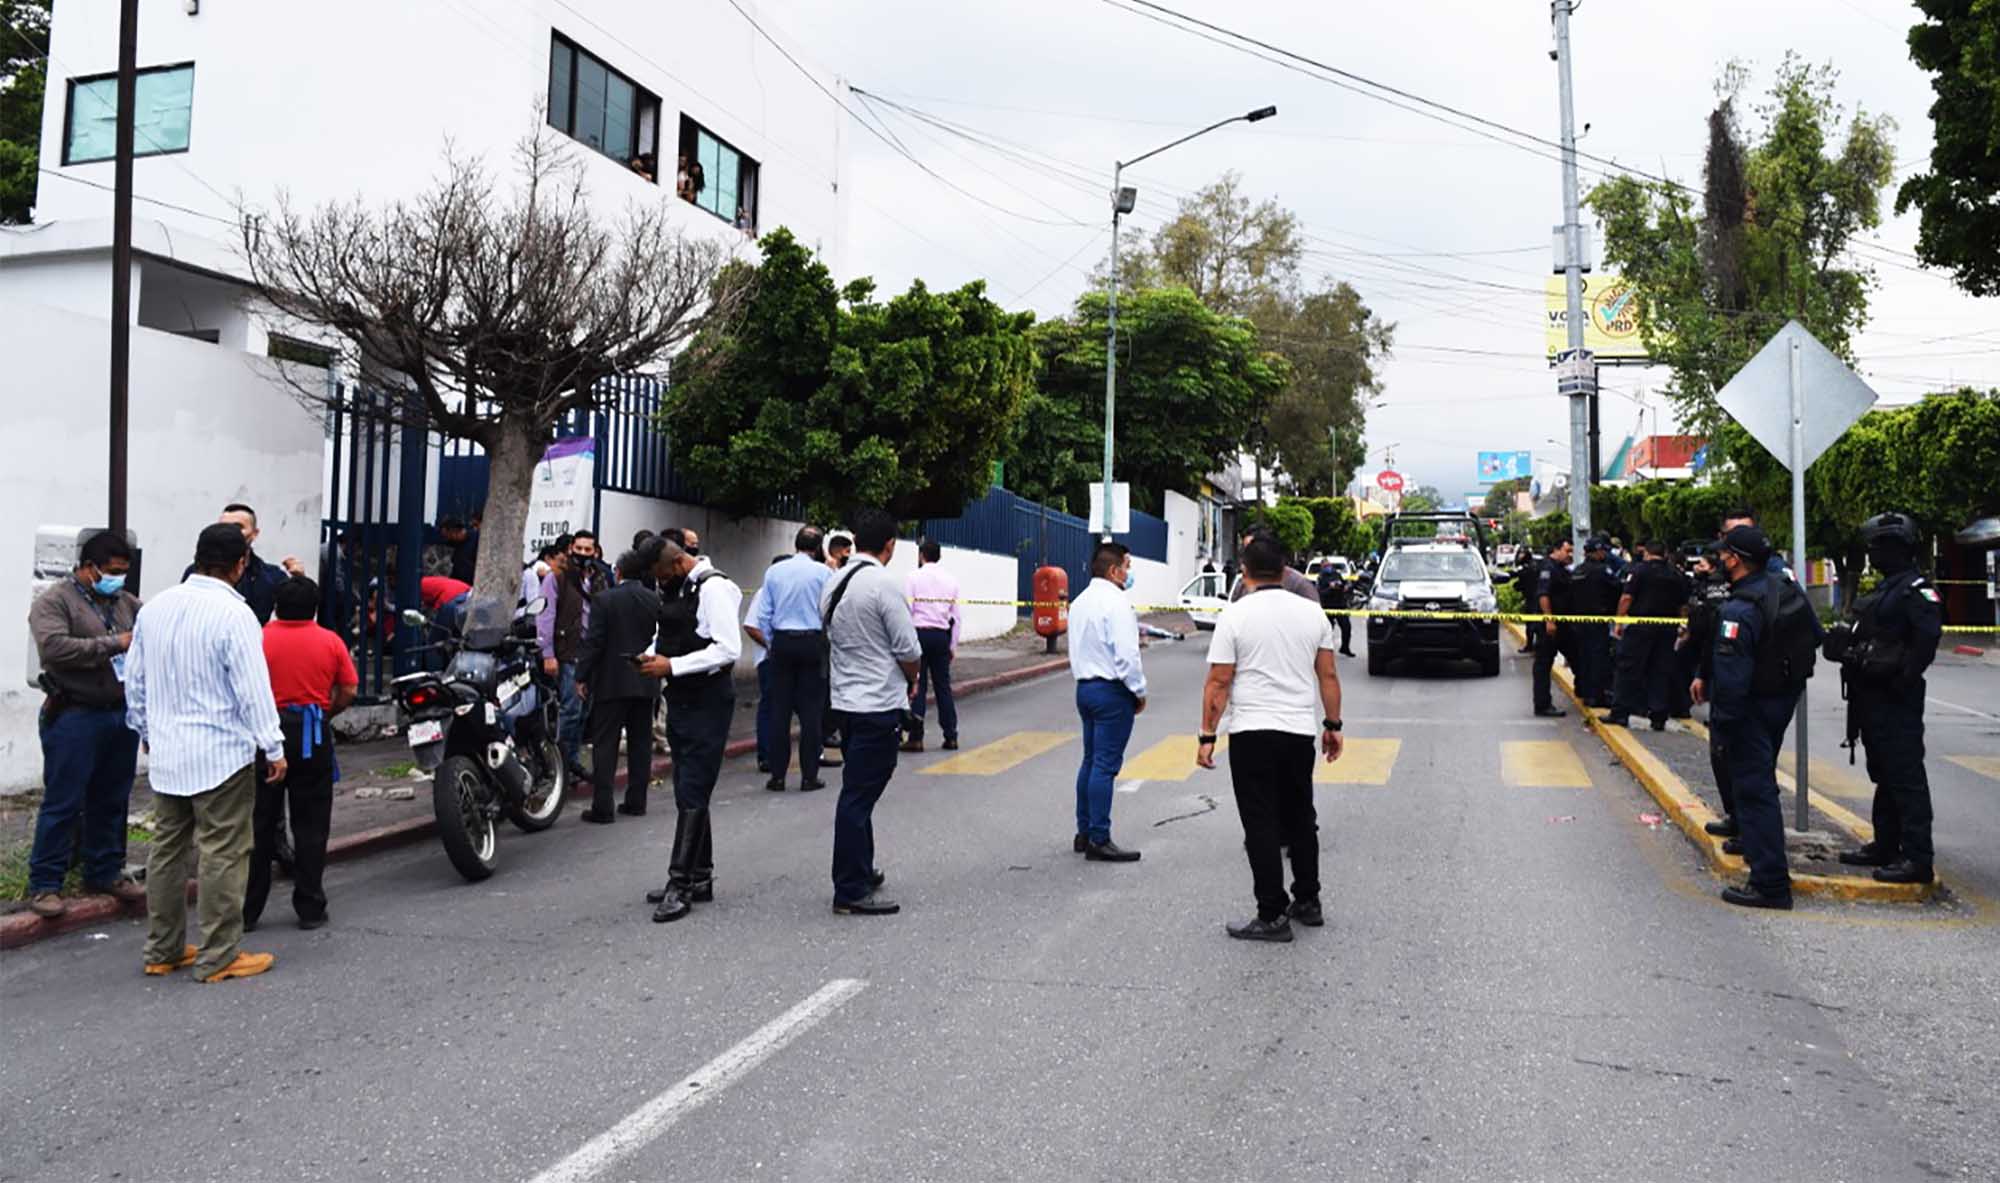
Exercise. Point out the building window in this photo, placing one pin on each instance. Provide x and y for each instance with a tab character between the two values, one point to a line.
305	353
163	98
591	102
715	176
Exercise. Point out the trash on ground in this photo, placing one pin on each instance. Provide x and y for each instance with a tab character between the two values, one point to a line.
1567	817
1651	821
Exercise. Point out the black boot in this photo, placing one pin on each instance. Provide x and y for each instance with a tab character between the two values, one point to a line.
701	887
674	901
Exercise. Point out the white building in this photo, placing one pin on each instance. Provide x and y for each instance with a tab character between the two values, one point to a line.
240	100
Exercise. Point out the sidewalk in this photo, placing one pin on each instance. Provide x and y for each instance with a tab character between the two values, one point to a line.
1673	766
382	800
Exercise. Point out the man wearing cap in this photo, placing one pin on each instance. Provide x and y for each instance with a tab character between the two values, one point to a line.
1595	593
1552	599
1646	651
1749	711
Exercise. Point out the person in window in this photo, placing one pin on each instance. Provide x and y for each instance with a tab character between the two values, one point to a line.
696	181
743	219
684	181
642	164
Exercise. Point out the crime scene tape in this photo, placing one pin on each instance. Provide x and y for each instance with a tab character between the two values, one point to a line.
1418	613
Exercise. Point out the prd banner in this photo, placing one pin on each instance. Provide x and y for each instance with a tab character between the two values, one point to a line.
561	502
1611	312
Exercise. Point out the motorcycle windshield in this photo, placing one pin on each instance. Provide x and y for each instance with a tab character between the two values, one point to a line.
486	622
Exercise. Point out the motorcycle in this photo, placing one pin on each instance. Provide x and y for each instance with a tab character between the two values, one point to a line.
485	728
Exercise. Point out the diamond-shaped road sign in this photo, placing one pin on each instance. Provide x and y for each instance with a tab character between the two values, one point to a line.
1759	396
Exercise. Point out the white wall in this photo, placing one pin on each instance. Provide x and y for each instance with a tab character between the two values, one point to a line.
1155	586
1183	515
357	99
208	427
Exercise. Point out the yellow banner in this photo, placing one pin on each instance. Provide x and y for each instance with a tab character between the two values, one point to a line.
1611	308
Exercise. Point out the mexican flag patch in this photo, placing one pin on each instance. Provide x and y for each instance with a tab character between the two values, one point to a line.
1929	593
1729	630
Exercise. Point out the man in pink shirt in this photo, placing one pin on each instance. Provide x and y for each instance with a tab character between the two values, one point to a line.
934	608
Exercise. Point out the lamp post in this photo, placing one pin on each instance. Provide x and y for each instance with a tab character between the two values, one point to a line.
1122	201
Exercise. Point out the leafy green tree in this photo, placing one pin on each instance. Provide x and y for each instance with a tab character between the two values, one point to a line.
1188	380
1777	218
1934	460
1500	498
1544	533
1290	520
24	47
847	402
1422	499
1335	530
1958	196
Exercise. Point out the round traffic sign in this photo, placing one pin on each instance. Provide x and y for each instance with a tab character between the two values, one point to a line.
1389	481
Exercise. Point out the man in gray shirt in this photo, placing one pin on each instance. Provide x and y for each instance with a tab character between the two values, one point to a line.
873	647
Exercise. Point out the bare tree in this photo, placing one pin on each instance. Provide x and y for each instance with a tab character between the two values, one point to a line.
490	318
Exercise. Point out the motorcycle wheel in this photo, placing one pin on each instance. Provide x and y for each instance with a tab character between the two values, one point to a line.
457	792
549	782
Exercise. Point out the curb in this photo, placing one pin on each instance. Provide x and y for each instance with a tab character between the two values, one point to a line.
25	928
1692	814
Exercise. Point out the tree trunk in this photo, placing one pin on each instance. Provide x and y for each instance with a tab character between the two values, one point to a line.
511	457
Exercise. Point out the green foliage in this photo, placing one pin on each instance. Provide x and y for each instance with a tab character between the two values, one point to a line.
1959	195
1777	219
1500	498
845	401
1670	511
24	47
1292	522
1509	596
1335	530
1544	533
1422	499
1189	380
1935	460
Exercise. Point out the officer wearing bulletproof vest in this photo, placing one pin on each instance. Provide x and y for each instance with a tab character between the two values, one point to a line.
1759	673
1883	652
700	640
1551	599
1594	592
1646	651
1709	588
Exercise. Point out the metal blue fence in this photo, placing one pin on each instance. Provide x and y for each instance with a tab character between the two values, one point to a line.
1006	523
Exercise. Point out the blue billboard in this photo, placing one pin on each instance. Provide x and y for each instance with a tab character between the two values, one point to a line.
1505	466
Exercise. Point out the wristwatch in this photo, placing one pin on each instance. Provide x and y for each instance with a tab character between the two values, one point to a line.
1330	724
1207	738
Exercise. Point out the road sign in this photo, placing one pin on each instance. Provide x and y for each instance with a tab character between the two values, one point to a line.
1121	508
1759	397
1389	481
1576	372
1795	398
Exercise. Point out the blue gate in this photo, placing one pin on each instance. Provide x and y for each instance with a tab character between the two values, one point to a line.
1007	523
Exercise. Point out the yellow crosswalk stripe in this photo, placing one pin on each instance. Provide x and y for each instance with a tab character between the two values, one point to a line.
1170	759
1983	765
1000	755
1542	763
1365	761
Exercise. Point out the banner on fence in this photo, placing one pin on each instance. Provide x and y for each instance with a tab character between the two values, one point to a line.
563	494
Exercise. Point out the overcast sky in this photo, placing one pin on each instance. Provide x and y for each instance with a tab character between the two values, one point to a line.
1463	222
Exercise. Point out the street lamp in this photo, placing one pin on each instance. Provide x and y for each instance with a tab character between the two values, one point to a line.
1122	202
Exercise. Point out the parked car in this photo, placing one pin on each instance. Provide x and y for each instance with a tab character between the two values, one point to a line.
1204	598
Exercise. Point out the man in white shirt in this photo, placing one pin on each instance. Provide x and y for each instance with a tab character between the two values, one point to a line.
1110	692
697	657
1271	665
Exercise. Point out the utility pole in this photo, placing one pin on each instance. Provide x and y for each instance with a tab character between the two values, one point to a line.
1580	466
121	263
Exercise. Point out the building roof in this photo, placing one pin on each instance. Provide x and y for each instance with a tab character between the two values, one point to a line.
1663	451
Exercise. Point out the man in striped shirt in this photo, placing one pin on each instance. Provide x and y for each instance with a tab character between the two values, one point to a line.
198	692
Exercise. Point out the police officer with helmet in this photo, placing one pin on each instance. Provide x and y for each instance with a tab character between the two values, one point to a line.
1765	642
1891	640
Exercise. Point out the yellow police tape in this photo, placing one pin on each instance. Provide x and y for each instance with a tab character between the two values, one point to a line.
1419	613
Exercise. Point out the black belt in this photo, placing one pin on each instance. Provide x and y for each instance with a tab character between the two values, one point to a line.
795	632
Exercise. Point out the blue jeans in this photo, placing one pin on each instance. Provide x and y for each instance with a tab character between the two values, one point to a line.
764	713
569	714
88	757
872	740
1108	709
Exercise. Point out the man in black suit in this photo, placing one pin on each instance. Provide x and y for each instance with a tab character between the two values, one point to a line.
623	622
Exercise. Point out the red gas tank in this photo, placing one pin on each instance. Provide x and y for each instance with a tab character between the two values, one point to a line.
1051	603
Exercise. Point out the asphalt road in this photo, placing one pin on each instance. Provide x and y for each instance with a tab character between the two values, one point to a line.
1519	979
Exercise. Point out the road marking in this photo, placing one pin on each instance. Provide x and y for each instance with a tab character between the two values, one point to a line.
1364	761
1968	710
1170	759
1000	755
1983	765
1542	763
1130	786
658	1115
1434	721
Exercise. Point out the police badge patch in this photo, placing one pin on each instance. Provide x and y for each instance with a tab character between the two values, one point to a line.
1729	630
1929	593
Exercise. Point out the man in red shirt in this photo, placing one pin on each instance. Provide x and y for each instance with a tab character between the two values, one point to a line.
312	679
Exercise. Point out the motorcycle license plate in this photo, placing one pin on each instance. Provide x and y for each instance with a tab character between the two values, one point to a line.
425	731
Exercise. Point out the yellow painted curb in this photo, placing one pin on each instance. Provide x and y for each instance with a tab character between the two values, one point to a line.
1692	814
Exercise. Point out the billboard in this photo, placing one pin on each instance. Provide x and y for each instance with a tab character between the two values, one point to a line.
1612	308
1505	466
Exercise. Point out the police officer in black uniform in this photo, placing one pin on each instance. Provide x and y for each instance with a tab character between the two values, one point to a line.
1333	593
1551	598
1894	638
700	639
1646	651
1755	689
1595	593
1710	587
1526	572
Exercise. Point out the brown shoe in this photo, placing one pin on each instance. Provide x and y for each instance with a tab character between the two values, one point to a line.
159	969
246	965
912	745
125	891
48	904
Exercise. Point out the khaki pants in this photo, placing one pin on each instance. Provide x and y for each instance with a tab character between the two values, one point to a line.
217	824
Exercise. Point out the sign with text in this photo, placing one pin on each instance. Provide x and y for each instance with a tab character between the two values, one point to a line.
1121	508
1505	466
561	500
1611	307
1389	481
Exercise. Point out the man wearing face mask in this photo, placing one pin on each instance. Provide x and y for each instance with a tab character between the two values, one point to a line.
1894	639
82	628
1110	692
